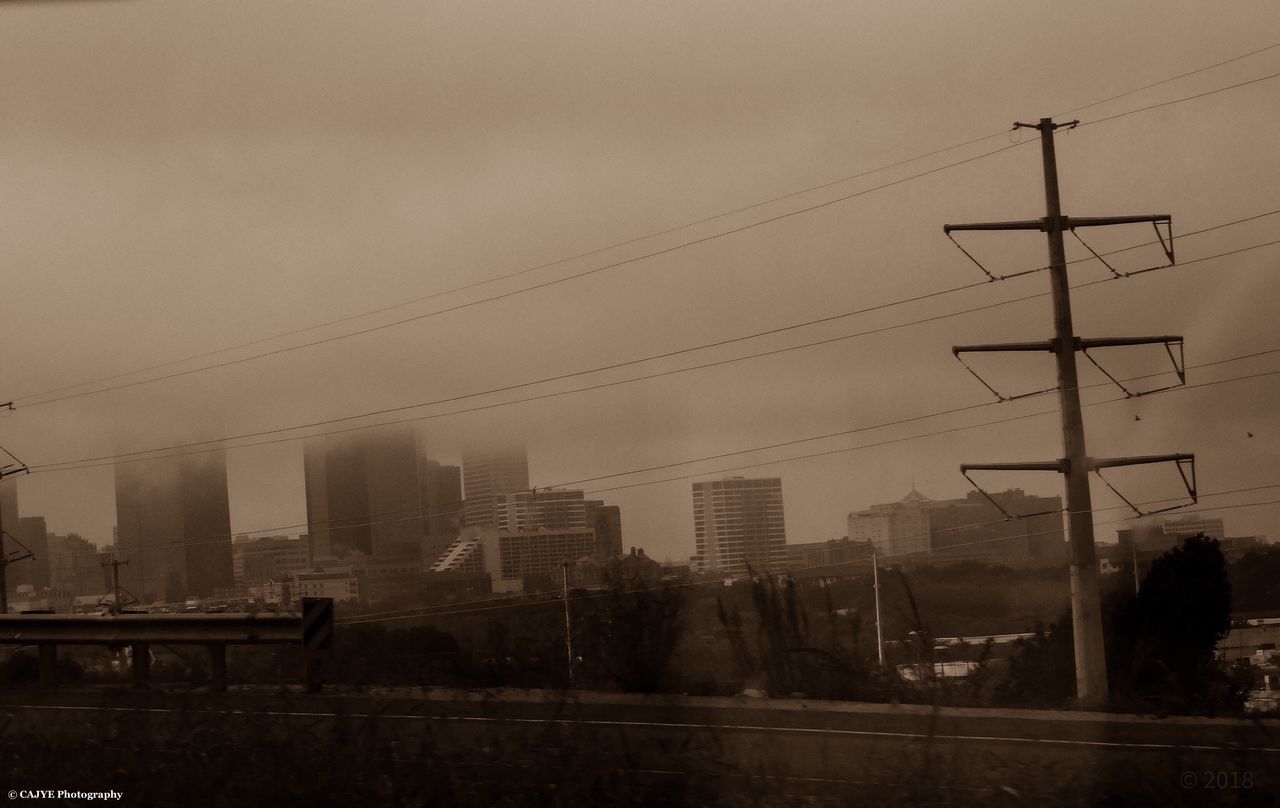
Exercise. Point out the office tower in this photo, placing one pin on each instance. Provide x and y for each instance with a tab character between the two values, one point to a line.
511	558
918	530
606	520
488	472
441	505
376	494
270	558
739	523
548	508
174	526
73	565
362	494
894	528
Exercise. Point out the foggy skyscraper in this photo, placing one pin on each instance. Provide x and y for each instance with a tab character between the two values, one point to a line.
375	493
488	472
174	526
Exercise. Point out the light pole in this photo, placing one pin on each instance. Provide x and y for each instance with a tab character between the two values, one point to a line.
568	626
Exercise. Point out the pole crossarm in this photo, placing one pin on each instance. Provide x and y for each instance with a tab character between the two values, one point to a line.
9	471
1024	224
1185	463
1044	345
1170	343
1058	466
1048	465
1062	224
990	347
1066	222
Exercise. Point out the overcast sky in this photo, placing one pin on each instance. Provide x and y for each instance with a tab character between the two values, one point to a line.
180	178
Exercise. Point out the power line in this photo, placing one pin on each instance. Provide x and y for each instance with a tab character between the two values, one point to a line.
585	273
1272	46
450	507
625	242
447	610
1178	100
219	445
504	295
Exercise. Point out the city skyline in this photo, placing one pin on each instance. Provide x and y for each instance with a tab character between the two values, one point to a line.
293	262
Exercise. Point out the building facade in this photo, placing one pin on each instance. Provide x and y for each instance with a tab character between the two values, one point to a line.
739	524
606	521
487	473
174	527
917	530
270	558
376	494
550	509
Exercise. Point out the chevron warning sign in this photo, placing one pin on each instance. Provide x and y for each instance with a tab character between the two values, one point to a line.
317	624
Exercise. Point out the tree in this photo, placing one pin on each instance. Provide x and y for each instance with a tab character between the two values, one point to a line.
1160	644
631	638
1163	652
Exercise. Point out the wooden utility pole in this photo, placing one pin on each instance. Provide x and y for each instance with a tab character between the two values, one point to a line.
1075	464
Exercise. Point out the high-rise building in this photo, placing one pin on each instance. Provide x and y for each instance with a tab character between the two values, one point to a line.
606	521
894	528
488	472
511	558
73	565
174	526
441	497
373	494
269	558
919	530
548	508
739	523
1150	539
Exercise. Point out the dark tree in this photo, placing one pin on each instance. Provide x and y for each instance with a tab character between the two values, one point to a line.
1160	644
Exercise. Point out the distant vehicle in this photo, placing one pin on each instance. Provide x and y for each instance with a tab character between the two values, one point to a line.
193	604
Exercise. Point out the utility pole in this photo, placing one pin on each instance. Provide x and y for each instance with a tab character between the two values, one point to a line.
115	565
1075	464
1134	547
568	627
23	555
875	578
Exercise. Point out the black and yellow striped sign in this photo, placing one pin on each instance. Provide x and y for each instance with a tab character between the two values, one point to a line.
317	624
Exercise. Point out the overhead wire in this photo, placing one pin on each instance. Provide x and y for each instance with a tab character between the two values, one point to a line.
485	605
223	443
453	507
39	398
24	403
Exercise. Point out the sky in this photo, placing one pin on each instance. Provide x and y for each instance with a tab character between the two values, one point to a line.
189	185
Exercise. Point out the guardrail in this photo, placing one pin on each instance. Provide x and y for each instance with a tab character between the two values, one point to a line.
312	629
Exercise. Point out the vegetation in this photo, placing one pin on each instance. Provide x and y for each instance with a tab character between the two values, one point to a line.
1159	643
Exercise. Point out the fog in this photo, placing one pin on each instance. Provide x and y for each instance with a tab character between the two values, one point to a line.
182	178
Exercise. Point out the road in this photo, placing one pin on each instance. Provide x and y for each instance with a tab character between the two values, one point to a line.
566	748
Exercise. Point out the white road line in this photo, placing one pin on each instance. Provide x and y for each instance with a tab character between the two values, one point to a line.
668	725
